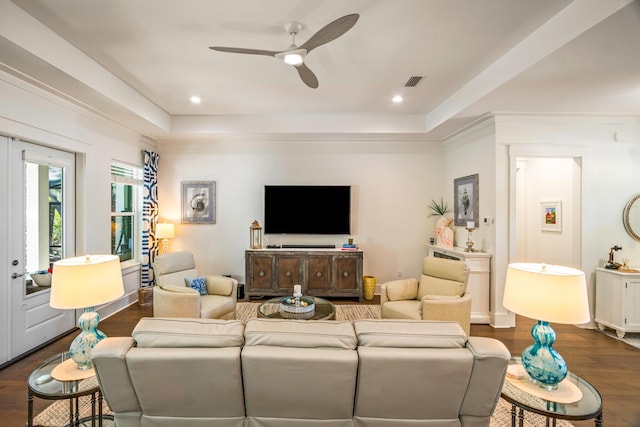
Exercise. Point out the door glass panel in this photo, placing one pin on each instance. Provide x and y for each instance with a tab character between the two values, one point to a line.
43	223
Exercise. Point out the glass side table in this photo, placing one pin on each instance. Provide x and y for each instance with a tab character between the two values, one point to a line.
41	384
588	407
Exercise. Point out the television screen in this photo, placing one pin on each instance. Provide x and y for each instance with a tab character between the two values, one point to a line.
307	209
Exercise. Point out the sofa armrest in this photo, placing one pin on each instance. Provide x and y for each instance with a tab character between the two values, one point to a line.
222	285
109	359
439	307
491	358
167	303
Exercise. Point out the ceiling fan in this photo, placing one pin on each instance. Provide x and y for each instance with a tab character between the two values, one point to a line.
295	55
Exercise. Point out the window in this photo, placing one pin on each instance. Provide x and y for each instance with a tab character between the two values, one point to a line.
126	208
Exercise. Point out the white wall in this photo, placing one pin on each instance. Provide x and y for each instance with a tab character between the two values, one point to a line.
473	152
33	115
546	179
392	184
609	180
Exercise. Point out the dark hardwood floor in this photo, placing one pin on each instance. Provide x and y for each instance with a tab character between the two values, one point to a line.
610	365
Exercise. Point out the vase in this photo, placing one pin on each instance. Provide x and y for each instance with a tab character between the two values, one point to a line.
444	233
369	287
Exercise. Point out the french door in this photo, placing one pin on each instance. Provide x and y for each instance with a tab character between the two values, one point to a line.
41	218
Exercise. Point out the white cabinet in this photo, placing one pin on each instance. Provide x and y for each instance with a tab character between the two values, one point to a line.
617	301
479	265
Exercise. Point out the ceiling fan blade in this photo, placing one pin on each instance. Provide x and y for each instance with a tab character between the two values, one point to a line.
307	76
331	31
242	50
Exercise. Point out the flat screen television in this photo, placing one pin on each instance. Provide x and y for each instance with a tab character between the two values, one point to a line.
307	209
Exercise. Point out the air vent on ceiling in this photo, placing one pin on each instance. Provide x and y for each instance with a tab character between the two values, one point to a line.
413	81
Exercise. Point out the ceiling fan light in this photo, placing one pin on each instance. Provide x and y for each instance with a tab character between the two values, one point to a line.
293	56
293	59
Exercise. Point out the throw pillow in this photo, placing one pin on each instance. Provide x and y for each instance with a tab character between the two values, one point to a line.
198	284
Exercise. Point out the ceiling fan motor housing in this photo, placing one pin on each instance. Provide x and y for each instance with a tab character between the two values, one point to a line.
293	27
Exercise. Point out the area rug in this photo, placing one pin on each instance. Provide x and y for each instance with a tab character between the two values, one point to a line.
249	310
57	414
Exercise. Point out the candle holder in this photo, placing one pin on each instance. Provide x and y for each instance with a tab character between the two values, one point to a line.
297	294
469	247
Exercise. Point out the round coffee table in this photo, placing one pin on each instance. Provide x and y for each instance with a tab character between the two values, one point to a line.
325	310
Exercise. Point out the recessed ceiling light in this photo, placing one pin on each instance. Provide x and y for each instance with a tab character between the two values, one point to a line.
397	99
196	100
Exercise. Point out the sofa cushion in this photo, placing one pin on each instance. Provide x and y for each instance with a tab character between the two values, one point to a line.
197	283
409	333
173	332
300	333
402	289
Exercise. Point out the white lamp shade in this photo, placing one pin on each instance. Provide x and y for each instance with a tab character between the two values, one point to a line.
165	231
549	293
86	281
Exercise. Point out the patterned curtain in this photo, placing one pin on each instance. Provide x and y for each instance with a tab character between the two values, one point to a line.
149	216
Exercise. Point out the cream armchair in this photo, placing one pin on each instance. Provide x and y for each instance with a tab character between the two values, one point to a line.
439	295
173	297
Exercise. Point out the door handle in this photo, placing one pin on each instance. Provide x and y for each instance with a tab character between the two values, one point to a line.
16	275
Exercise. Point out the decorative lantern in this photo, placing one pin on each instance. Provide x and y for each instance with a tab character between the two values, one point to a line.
255	233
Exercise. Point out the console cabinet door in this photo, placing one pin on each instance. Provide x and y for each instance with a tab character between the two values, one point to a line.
261	273
290	272
346	273
319	274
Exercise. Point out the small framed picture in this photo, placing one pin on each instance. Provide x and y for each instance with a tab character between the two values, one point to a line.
551	215
198	202
465	196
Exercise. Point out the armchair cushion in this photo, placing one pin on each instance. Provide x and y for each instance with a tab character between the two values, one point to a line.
442	277
197	283
402	309
398	290
180	289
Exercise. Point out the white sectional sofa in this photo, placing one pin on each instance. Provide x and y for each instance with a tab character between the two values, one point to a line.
286	373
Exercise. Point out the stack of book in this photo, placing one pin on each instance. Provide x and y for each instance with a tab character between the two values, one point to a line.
349	247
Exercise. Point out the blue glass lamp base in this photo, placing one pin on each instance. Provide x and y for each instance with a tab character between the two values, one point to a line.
90	335
545	366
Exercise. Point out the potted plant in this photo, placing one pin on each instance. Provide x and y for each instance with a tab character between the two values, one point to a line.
444	233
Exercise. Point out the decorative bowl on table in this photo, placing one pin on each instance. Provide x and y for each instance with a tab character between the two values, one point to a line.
290	310
42	278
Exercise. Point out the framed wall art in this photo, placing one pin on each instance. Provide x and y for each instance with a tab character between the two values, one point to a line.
551	215
198	202
465	196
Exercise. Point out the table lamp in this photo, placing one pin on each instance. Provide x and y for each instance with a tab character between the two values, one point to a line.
165	231
84	282
546	293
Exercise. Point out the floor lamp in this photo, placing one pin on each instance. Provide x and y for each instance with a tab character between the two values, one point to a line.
85	282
